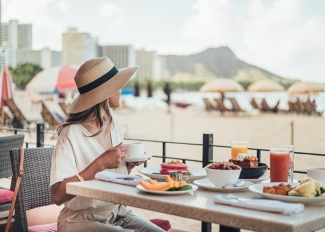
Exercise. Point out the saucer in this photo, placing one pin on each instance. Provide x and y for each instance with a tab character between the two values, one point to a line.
143	157
208	185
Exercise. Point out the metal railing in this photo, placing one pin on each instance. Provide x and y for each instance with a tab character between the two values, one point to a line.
207	154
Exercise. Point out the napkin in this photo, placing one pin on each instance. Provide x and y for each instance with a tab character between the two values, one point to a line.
118	178
259	204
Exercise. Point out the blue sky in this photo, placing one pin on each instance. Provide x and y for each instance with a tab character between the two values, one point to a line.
285	37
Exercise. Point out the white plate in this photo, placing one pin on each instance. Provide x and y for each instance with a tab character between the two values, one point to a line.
258	188
207	184
152	172
258	180
138	158
194	187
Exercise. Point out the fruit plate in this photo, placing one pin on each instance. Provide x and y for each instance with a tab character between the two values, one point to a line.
153	173
258	188
194	188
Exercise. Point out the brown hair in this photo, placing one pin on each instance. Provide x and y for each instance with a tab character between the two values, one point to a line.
93	112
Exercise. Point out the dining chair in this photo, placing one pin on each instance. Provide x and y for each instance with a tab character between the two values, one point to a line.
7	143
34	188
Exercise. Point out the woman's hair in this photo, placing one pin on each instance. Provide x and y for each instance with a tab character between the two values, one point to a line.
93	112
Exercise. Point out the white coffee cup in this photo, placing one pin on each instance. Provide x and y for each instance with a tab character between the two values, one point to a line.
317	174
134	149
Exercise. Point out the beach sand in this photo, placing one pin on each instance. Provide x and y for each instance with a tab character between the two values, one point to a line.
181	125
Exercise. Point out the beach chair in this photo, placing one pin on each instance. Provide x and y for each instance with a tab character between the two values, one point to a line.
291	106
6	117
235	106
208	105
7	143
220	105
64	106
50	116
267	108
298	107
308	107
34	188
254	104
19	120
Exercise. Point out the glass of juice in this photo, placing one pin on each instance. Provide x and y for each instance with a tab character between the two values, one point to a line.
238	147
279	164
291	161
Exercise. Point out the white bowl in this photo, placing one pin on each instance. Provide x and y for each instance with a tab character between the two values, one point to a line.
222	177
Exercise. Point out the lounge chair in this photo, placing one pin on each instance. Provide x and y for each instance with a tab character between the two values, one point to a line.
220	105
21	119
254	104
7	143
235	106
267	108
51	116
208	105
291	106
308	107
64	106
6	117
298	107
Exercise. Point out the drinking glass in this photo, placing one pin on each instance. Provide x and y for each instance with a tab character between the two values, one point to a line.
279	164
291	161
238	147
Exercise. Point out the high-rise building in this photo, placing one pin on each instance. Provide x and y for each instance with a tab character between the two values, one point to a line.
17	35
121	55
78	47
151	65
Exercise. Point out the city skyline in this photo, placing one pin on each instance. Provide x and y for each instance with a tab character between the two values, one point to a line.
284	37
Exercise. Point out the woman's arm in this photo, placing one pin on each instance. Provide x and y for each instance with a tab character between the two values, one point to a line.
109	159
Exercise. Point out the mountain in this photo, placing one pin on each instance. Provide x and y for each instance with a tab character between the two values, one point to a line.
215	63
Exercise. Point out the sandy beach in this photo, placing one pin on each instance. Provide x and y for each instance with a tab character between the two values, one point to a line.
181	125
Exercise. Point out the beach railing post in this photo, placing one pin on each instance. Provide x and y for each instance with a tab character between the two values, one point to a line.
207	157
40	135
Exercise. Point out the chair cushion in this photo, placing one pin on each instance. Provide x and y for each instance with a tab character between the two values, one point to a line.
6	196
164	224
43	228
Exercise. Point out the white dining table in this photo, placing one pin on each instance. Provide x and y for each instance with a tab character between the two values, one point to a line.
199	205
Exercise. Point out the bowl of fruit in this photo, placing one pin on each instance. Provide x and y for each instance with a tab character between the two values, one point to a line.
222	173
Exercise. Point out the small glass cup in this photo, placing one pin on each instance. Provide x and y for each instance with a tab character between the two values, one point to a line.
238	147
279	164
291	161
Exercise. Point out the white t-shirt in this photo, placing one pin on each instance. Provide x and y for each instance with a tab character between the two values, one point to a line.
74	151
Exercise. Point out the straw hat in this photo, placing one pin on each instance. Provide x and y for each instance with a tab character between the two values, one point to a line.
97	80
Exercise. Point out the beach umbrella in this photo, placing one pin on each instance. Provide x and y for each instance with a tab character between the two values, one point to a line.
6	85
53	79
265	86
222	85
305	88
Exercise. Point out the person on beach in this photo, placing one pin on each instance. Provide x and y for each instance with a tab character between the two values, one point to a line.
89	141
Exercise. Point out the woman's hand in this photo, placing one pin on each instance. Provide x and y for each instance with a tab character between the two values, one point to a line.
112	157
131	165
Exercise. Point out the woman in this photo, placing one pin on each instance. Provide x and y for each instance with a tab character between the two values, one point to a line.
90	141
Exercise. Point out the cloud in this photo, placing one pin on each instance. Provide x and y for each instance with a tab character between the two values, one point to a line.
276	37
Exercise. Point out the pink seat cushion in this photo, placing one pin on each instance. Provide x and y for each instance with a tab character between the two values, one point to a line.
164	224
43	228
6	196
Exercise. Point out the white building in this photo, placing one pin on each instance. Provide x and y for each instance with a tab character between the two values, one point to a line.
78	47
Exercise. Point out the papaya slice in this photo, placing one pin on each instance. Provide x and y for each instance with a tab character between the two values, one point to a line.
169	179
151	181
155	187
